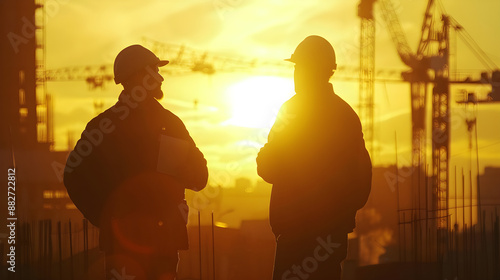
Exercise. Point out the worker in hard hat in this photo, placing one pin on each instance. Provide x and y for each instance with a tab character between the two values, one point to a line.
316	160
128	173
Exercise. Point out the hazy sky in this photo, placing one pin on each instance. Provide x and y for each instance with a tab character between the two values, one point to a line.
232	120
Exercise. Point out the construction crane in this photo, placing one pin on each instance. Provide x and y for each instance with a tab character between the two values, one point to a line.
95	76
182	60
429	65
185	60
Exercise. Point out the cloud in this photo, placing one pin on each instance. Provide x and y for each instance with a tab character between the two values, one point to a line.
197	24
276	35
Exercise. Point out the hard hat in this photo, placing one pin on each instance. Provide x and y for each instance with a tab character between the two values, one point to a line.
315	51
132	59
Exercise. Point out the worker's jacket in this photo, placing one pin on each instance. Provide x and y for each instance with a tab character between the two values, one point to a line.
112	177
317	162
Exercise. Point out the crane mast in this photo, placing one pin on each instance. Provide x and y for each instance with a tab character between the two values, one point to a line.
367	71
441	130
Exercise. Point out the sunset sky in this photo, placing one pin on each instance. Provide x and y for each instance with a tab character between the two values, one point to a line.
235	109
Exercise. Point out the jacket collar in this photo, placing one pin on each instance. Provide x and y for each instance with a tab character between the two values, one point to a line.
317	90
134	101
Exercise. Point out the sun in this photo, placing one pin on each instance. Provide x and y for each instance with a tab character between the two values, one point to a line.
255	101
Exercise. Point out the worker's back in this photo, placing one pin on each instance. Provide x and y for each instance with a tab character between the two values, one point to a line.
329	172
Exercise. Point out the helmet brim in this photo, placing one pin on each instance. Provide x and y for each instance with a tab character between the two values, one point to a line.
162	63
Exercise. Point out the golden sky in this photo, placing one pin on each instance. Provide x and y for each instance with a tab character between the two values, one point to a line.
236	109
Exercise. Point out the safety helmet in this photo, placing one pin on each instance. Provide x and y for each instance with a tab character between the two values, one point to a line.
132	59
315	51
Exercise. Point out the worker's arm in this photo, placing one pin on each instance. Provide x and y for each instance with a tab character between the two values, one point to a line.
86	177
275	159
193	174
266	163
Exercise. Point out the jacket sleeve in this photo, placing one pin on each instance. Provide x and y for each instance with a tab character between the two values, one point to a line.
85	179
268	162
274	160
194	173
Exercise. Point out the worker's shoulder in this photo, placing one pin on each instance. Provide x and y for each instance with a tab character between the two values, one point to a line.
343	111
106	116
110	117
165	118
340	104
168	116
119	113
295	102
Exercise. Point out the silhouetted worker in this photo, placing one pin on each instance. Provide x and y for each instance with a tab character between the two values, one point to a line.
128	173
320	170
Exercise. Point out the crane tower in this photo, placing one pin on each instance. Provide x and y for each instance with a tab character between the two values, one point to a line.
367	70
